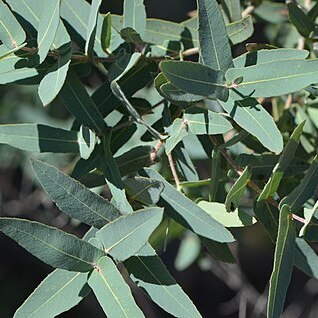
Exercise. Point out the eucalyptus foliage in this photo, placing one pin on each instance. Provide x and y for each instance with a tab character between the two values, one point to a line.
172	86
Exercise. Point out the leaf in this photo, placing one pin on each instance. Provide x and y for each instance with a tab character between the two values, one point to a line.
233	198
240	30
306	258
305	190
129	35
218	211
144	190
125	236
220	251
39	138
112	292
54	80
283	263
205	122
251	116
112	176
91	27
48	25
196	79
188	251
300	19
87	140
73	198
265	56
135	15
179	130
57	293
215	50
80	104
106	33
232	9
283	162
274	78
11	32
151	275
51	245
189	214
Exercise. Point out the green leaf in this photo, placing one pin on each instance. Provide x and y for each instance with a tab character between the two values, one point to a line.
189	214
215	50
54	80
196	79
91	27
73	198
205	122
39	138
303	23
144	190
283	163
135	15
57	293
267	215
232	9
51	245
305	190
151	275
179	130
220	251
218	211
112	176
11	32
240	30
87	140
48	25
306	258
283	263
265	56
112	292
188	251
106	33
80	104
125	236
233	198
251	116
274	78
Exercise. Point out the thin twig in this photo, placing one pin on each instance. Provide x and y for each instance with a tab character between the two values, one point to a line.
248	11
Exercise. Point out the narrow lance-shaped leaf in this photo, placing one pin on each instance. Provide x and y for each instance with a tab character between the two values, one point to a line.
80	104
251	116
274	78
39	138
178	131
233	9
51	245
283	162
189	214
112	176
235	194
54	80
135	15
11	32
205	122
73	198
151	275
144	190
240	30
196	79
91	27
87	140
60	291
48	25
125	236
305	190
112	292
215	50
283	263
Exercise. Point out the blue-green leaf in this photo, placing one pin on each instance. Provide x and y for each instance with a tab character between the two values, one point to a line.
135	15
112	292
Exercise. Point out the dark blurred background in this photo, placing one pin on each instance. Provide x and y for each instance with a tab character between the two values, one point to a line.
217	289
